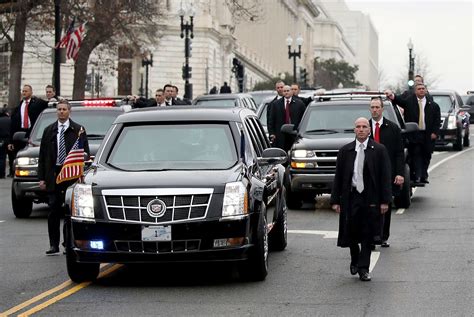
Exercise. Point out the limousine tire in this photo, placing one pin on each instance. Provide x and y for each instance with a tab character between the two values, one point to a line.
80	272
255	268
21	208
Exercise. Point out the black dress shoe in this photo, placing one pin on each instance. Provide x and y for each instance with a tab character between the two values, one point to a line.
354	269
53	251
385	244
372	247
424	181
364	276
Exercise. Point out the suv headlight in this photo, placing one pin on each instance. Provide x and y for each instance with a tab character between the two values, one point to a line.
27	162
451	122
303	154
82	202
235	200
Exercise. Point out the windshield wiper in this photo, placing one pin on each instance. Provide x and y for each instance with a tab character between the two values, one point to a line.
323	131
348	130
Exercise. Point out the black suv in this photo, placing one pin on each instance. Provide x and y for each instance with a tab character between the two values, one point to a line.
455	119
226	101
325	127
179	184
25	186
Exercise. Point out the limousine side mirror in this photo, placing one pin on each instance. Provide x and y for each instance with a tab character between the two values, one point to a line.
289	129
410	127
20	137
272	156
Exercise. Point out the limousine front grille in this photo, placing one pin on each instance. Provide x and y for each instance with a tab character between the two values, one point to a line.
179	205
157	247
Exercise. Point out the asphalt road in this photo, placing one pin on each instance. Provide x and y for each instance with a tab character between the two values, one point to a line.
428	270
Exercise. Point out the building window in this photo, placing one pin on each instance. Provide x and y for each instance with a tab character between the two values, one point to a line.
4	70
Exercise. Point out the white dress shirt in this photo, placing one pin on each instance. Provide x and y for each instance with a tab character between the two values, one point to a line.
354	173
373	125
423	104
66	126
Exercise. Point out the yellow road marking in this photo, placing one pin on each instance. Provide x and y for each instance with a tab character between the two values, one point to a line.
36	298
67	293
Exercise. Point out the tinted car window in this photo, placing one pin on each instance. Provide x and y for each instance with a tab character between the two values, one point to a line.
95	122
263	115
218	103
181	147
337	117
444	102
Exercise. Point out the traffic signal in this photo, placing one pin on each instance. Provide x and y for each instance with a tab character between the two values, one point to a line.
303	76
187	72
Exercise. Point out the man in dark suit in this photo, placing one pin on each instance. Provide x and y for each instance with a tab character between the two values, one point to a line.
158	101
295	88
24	116
421	143
284	111
58	139
389	134
361	194
169	93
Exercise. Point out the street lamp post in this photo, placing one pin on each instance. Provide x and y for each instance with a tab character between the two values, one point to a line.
294	54
140	92
187	33
411	64
147	61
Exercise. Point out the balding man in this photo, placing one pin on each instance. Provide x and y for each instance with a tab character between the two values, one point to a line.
361	194
286	110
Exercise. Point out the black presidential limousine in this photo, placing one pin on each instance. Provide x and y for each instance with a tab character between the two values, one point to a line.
179	184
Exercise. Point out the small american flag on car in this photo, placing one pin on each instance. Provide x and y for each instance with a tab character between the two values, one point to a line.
73	166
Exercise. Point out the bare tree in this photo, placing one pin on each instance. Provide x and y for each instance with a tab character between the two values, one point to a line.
245	10
423	68
15	17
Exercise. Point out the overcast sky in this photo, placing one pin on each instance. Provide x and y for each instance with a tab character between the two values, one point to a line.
441	31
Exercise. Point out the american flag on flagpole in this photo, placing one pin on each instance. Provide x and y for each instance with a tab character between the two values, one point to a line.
73	166
72	39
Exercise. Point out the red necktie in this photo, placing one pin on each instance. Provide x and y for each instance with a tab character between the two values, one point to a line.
287	111
377	132
25	115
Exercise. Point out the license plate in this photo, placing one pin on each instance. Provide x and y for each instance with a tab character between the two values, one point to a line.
156	233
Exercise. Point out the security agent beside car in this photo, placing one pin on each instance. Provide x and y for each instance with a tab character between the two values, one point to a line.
386	132
286	110
58	139
424	111
361	194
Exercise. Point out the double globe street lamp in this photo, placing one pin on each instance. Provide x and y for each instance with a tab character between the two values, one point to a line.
187	33
294	54
147	61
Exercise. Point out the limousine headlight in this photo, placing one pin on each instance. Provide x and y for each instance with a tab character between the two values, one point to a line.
235	200
82	202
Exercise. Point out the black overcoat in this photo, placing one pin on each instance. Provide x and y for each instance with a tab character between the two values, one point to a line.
377	184
276	119
49	150
35	107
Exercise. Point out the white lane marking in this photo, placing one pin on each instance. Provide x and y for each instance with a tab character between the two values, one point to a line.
448	158
374	257
325	234
2	221
401	210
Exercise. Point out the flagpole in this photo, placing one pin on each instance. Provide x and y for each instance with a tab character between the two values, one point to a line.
57	51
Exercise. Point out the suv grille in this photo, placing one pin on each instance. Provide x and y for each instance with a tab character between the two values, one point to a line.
326	159
182	205
157	247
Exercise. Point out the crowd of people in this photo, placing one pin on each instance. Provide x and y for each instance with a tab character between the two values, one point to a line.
369	171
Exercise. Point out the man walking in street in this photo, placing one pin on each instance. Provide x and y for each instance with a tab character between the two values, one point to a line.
424	111
361	194
286	110
225	89
57	141
295	88
386	132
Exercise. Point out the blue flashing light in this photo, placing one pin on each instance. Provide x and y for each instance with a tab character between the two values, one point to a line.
98	245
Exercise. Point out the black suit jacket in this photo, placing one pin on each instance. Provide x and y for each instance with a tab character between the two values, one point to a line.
412	112
276	118
35	107
49	150
377	187
306	101
391	138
